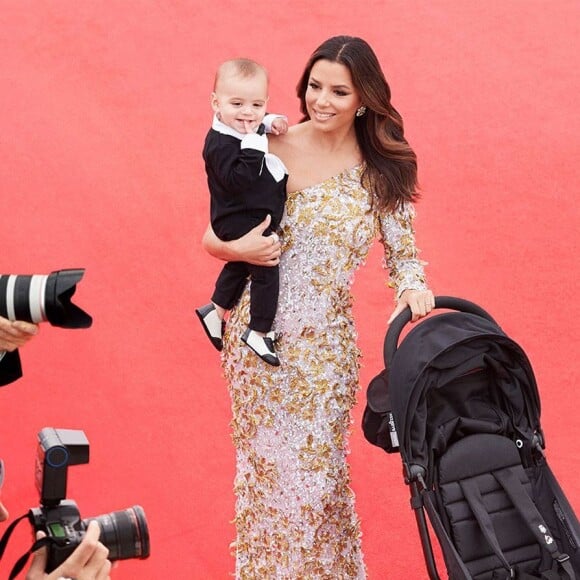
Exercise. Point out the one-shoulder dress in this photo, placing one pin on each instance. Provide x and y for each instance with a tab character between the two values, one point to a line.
295	516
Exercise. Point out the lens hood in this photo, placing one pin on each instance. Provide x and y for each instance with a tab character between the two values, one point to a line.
60	311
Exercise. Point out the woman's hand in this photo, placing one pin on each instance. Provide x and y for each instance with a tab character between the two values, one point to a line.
15	334
257	249
87	562
253	247
421	302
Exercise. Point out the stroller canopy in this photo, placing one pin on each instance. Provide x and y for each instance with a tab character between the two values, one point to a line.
456	372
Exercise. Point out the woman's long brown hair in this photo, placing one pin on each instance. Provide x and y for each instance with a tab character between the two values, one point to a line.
390	169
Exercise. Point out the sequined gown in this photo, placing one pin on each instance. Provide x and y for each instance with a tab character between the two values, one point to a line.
295	515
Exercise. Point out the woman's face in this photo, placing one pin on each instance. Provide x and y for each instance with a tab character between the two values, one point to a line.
331	99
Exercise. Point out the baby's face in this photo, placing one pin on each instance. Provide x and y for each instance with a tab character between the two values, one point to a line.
240	102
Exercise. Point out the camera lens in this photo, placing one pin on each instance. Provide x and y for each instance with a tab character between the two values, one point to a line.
23	297
41	298
125	533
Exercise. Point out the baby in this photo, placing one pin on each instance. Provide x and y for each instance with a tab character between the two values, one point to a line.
246	184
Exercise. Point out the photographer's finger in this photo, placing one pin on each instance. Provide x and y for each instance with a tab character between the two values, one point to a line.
26	327
16	334
4	515
17	328
9	334
75	563
98	567
104	571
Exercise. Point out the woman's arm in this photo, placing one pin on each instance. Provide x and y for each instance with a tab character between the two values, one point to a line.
406	270
253	247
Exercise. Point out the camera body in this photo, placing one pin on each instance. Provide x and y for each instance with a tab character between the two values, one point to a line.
124	533
64	525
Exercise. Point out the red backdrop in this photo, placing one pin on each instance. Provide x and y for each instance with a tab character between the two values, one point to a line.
104	107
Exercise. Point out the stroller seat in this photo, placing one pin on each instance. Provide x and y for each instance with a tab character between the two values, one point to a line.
491	537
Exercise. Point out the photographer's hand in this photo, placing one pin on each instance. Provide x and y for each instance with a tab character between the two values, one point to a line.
87	562
13	335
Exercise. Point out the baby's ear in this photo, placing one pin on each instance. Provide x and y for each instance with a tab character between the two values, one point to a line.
214	102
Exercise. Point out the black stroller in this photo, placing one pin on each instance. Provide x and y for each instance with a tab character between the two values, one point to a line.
459	401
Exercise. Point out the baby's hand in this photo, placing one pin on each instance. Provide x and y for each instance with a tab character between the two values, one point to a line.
249	126
279	126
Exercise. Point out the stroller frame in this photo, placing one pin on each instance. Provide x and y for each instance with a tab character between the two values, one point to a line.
438	466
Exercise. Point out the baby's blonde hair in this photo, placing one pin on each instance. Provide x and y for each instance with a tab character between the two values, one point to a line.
243	67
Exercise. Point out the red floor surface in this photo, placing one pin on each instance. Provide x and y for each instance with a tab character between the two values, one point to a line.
104	107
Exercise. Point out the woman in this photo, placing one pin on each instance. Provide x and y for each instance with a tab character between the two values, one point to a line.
352	178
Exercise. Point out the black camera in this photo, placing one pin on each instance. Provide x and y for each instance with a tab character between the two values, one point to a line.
124	533
43	298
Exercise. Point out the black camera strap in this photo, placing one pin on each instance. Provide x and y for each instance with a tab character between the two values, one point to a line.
8	533
21	562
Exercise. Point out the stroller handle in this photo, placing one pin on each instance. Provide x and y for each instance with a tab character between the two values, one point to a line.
448	302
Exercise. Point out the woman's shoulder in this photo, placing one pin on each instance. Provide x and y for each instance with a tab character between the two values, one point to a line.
293	137
289	145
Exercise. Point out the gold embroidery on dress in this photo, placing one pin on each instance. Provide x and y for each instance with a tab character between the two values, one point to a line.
295	516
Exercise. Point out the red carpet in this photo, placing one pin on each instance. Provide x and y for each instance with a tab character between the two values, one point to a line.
104	108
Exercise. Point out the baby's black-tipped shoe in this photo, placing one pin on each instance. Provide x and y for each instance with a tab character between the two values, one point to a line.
212	324
263	346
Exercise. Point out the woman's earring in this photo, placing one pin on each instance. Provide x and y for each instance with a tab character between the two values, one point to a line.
361	111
